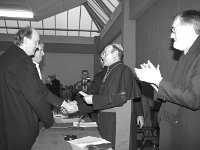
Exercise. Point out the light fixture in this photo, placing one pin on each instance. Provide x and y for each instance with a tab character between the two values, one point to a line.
16	13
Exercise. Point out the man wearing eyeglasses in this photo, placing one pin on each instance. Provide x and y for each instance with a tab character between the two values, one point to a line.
52	99
179	114
118	101
23	98
39	53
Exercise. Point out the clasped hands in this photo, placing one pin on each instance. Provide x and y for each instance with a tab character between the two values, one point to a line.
69	107
150	74
72	107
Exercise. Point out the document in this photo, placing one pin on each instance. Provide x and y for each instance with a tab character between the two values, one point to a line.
59	118
82	143
82	93
85	124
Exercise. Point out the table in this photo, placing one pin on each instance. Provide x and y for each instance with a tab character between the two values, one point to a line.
53	138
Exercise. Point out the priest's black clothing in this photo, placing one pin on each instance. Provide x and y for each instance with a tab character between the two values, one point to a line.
95	89
119	105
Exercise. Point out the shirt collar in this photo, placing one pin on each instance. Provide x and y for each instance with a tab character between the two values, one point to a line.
35	63
111	66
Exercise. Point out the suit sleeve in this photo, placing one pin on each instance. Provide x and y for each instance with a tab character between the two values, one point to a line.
52	98
185	96
30	86
137	103
83	107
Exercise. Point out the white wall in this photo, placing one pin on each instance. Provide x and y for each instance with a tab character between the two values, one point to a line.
66	66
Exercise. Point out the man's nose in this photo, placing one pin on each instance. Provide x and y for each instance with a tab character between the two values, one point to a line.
172	36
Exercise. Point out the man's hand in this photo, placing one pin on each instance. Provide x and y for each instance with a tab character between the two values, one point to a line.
148	73
140	121
88	99
74	104
69	107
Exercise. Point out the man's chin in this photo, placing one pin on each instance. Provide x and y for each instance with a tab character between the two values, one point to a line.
176	46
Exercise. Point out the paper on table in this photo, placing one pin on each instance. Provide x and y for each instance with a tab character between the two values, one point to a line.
85	124
82	93
81	143
59	118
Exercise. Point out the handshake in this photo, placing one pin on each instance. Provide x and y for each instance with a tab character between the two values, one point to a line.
69	107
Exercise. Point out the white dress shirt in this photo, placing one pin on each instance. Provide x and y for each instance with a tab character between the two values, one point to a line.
38	69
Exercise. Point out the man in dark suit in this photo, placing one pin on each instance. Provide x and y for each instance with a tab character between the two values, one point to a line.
85	83
179	115
55	85
23	98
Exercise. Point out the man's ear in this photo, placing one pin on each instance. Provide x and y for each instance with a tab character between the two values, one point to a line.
116	53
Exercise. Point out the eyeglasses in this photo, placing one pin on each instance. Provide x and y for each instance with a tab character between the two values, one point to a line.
39	49
174	29
104	54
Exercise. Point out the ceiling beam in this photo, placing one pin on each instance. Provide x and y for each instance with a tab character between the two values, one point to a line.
53	29
104	7
94	16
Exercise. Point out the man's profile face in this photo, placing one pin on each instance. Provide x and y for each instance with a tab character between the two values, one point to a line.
182	34
107	56
32	43
38	54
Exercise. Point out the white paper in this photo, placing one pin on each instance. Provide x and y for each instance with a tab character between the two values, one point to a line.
82	93
59	118
85	124
81	143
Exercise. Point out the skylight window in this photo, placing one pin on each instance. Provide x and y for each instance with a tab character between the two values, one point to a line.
79	21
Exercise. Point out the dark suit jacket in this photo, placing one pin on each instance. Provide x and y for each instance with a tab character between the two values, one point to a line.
179	116
23	101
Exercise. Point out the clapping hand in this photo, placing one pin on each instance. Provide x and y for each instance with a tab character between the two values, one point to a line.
140	121
148	73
